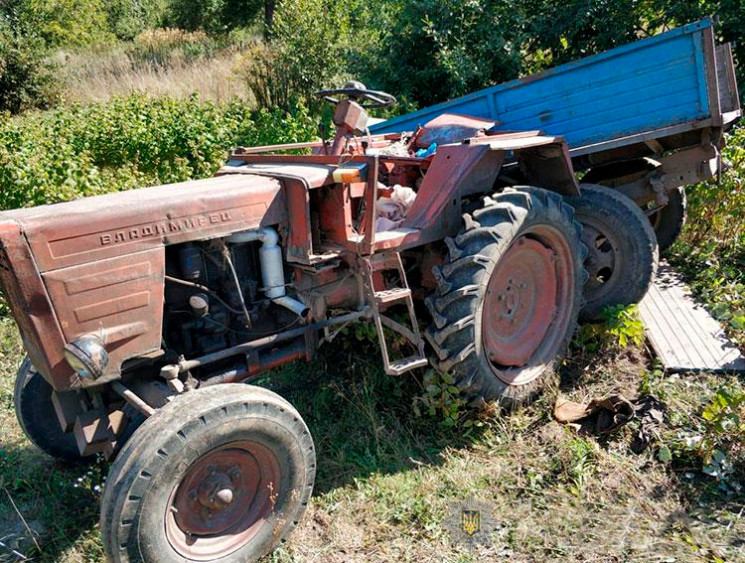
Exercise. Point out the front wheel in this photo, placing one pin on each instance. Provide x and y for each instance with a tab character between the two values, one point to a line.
508	296
35	413
219	474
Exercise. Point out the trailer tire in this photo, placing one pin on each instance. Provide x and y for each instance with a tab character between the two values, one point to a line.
32	397
668	222
219	474
622	249
508	296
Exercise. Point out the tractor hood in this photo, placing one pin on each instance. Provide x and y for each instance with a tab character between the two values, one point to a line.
97	265
100	227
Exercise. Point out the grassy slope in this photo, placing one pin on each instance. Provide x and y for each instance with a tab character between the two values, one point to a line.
387	479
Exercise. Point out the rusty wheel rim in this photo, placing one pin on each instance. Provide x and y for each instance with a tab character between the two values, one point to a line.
223	499
527	305
603	260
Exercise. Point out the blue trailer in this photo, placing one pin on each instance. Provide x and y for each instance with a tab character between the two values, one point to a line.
646	118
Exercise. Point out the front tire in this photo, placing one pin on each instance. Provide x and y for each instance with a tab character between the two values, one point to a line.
508	296
219	474
35	413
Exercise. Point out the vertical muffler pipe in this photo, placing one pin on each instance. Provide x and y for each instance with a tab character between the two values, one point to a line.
272	268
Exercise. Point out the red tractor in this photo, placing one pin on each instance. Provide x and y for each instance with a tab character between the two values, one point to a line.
134	306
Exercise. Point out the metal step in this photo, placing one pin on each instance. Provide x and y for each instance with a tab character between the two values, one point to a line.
400	367
392	261
682	333
391	295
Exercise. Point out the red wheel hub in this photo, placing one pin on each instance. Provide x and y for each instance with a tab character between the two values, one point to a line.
222	500
520	303
528	305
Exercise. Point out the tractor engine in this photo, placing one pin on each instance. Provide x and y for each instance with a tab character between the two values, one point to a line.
222	292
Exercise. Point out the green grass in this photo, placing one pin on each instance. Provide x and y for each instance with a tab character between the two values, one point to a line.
387	479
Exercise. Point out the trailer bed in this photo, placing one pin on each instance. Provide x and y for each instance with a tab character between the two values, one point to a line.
657	87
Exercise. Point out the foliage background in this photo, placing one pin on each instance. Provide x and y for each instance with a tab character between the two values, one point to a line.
384	473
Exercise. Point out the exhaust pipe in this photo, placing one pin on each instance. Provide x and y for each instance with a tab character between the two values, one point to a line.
272	270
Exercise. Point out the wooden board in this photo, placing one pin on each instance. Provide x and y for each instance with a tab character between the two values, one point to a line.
682	333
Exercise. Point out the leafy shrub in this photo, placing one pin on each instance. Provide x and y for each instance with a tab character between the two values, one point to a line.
71	23
214	16
435	50
620	327
127	18
711	251
304	54
26	79
624	325
713	441
127	143
440	399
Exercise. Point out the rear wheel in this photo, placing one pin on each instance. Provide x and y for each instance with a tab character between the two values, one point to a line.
508	296
622	249
219	474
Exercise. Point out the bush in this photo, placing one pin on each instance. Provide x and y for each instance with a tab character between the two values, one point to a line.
127	18
711	250
127	143
438	50
305	53
26	79
214	16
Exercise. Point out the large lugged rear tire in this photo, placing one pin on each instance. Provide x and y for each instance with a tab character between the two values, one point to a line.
508	296
35	413
219	474
622	248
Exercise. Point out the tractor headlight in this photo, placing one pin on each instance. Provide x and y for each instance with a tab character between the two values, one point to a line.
87	356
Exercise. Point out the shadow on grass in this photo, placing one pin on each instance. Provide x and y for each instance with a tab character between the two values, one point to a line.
361	419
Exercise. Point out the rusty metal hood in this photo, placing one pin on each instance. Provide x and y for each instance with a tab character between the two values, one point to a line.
100	227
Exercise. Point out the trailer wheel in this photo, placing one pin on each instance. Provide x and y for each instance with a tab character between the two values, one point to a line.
35	413
668	222
508	296
222	473
622	248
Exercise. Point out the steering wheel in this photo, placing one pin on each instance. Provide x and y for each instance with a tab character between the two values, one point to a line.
358	92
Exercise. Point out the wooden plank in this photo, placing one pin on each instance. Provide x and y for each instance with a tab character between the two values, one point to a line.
682	333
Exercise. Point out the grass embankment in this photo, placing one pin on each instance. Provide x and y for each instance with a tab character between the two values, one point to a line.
157	62
388	479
